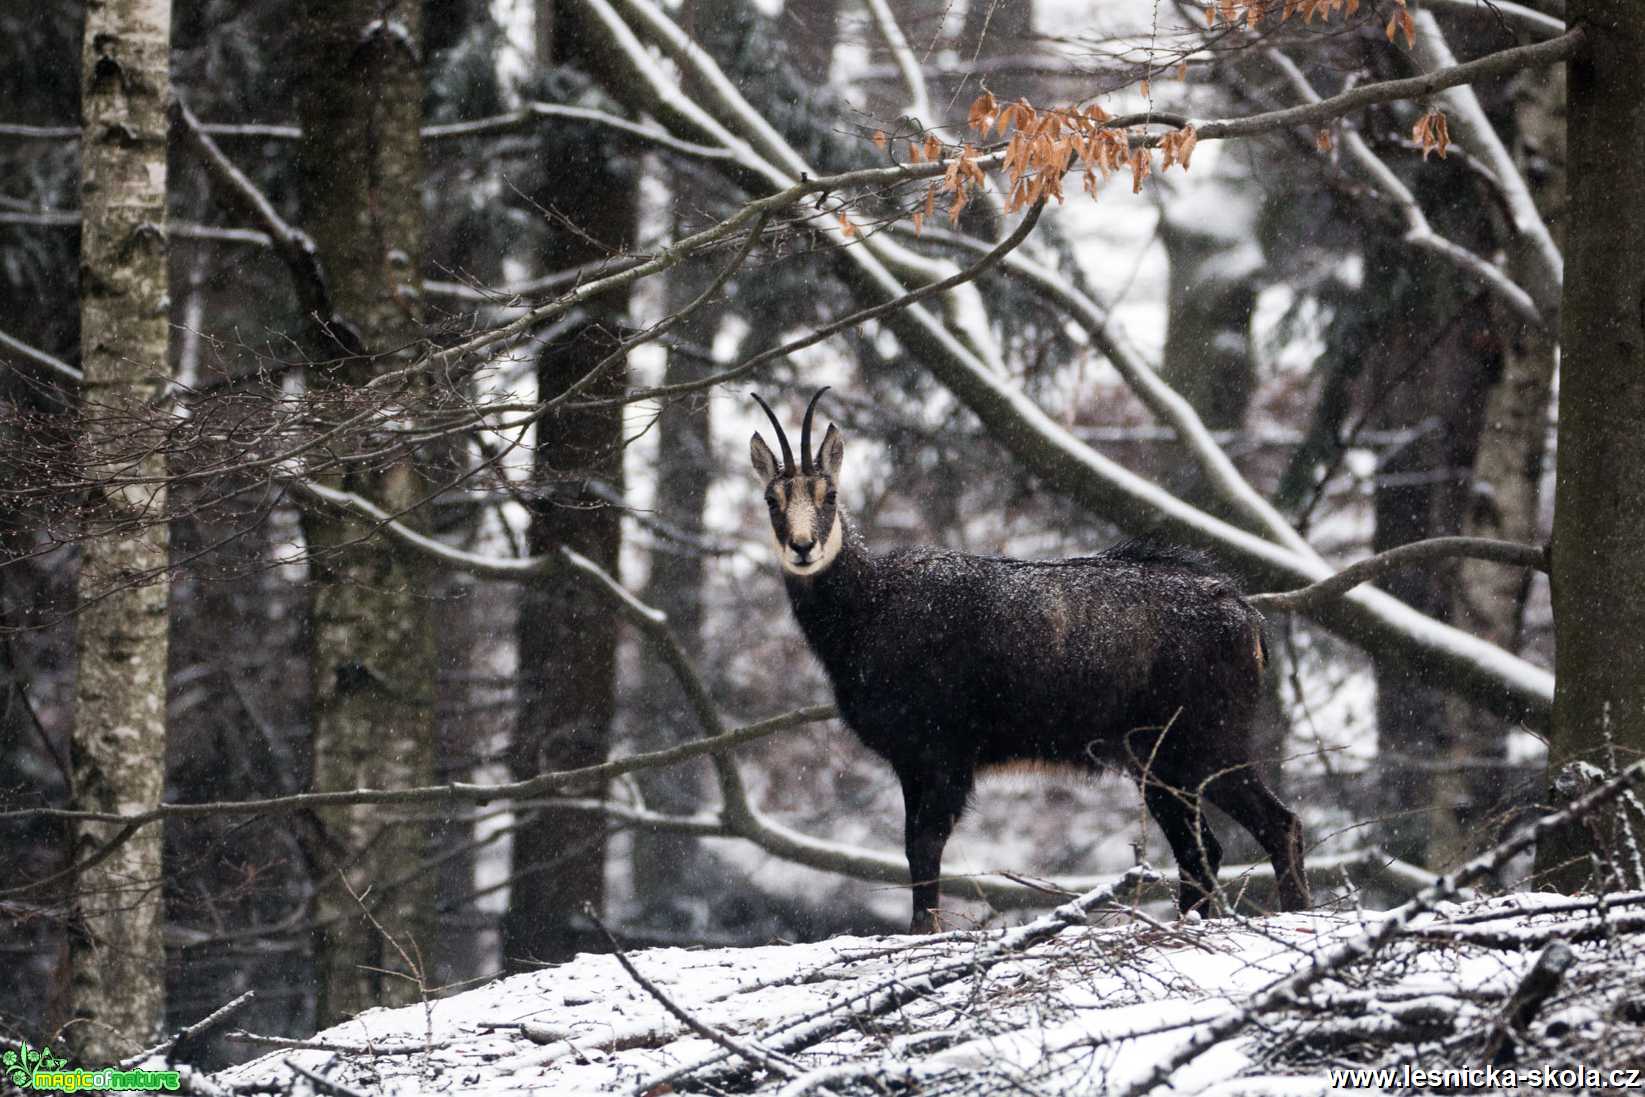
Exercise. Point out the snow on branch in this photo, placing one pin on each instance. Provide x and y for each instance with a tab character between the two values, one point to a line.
41	358
1087	1009
1542	262
919	99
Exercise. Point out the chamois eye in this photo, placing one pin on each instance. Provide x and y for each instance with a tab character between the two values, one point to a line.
830	496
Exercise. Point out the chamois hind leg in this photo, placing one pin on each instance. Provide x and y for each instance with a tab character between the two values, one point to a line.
932	803
1196	849
1253	806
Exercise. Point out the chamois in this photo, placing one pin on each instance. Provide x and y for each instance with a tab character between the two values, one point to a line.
945	664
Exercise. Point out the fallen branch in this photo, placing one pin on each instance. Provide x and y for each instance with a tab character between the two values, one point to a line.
1538	985
751	1050
205	1024
793	1036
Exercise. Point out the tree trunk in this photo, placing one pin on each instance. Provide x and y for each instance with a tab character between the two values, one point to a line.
568	663
1506	498
1599	499
567	636
359	174
1428	378
118	748
667	865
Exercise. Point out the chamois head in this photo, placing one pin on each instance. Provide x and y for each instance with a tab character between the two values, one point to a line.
805	519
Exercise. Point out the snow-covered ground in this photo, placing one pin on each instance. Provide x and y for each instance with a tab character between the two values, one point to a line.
1071	1008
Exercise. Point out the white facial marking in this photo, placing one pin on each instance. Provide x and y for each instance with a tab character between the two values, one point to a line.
821	556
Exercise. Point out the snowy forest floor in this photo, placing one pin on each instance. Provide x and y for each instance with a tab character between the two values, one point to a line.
1532	983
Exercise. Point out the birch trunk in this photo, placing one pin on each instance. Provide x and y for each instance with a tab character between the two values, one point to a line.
118	747
360	172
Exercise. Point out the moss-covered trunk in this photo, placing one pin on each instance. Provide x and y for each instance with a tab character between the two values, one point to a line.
359	172
116	953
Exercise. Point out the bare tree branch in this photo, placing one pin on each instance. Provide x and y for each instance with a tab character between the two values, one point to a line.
1541	261
990	257
1418	233
1452	75
41	358
236	190
919	99
1511	553
1526	20
454	792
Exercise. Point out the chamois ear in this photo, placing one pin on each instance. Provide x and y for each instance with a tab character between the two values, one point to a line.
765	462
832	452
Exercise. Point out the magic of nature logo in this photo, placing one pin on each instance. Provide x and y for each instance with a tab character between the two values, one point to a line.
38	1069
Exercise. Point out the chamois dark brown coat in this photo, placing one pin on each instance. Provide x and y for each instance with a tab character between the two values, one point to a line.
1140	658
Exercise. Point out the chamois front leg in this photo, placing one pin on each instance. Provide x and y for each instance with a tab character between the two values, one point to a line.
932	803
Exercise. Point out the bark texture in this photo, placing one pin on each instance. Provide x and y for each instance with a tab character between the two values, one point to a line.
1599	502
360	170
1438	346
568	664
668	868
116	952
1506	497
567	636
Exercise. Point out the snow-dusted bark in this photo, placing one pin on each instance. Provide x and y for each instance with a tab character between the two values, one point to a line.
118	747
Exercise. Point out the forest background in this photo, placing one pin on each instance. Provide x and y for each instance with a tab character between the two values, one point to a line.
375	407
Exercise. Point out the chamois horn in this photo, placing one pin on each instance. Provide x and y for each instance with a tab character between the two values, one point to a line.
805	432
782	439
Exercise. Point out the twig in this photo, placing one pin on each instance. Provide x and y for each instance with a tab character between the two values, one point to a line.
991	258
240	1036
751	1050
661	327
455	791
